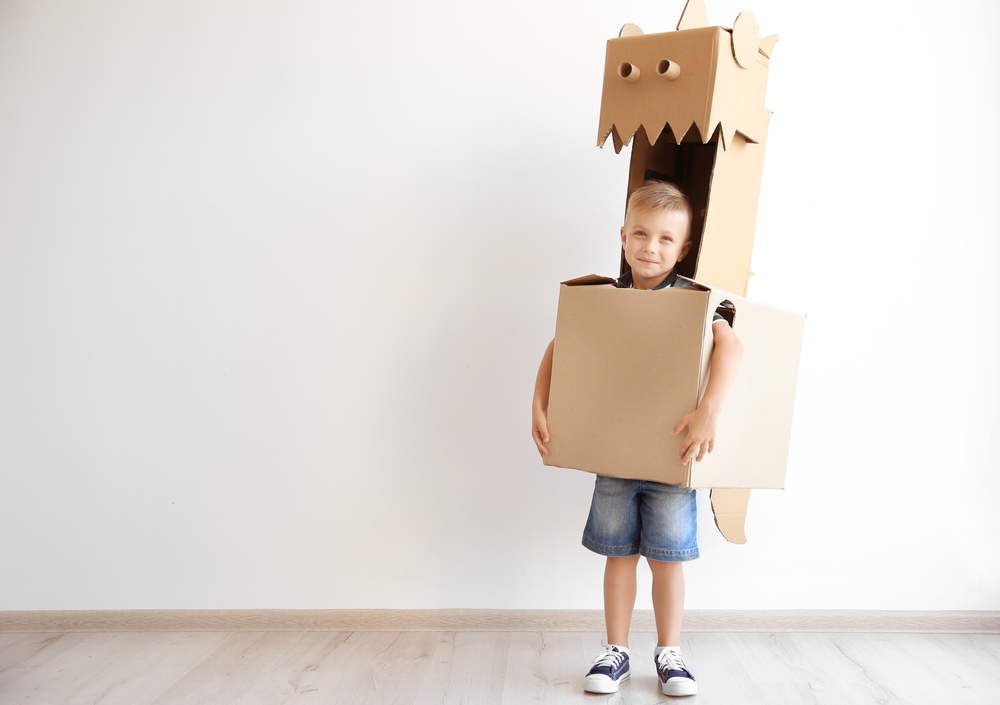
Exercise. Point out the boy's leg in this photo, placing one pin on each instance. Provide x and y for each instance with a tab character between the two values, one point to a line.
619	597
668	601
668	607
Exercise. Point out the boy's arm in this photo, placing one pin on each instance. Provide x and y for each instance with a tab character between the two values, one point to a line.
540	404
701	422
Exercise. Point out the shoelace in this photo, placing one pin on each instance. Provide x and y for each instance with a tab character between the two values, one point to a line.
609	657
671	661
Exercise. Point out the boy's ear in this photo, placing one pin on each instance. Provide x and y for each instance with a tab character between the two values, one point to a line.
623	237
685	249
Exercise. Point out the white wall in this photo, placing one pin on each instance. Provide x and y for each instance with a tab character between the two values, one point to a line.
275	278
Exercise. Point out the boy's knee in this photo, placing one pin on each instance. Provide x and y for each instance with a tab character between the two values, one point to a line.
665	566
623	560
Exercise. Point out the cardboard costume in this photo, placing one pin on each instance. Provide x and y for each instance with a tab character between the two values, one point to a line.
691	103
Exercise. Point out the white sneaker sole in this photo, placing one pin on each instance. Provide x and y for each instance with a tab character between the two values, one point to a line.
680	686
603	684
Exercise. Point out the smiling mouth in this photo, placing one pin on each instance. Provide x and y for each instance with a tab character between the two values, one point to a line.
646	261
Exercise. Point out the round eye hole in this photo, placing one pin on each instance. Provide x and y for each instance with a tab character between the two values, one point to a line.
668	69
628	71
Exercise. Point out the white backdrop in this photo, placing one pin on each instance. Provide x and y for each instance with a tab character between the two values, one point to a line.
275	278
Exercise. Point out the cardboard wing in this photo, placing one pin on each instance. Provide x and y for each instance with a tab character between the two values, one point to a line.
629	364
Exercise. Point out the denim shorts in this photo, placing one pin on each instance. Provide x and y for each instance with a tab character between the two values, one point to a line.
654	520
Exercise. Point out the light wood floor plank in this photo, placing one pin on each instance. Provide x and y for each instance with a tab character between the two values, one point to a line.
366	667
64	675
229	671
22	653
466	668
140	668
545	668
724	676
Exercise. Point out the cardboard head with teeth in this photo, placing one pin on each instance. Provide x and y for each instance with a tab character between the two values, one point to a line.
698	82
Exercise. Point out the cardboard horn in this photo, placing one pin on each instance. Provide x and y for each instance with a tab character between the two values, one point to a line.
746	39
693	16
730	509
767	45
630	30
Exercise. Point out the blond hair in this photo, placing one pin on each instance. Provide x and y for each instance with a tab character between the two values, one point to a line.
660	196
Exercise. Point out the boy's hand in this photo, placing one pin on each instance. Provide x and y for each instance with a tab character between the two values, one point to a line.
700	437
540	429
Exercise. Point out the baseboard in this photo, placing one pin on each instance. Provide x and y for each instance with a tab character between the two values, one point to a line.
489	620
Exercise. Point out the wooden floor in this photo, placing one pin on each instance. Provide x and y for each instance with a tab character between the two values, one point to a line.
271	668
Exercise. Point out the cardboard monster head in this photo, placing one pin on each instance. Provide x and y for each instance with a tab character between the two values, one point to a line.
692	83
691	103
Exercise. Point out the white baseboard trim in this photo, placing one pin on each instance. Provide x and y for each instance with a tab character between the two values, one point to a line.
465	620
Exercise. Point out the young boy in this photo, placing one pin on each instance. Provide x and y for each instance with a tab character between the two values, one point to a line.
632	518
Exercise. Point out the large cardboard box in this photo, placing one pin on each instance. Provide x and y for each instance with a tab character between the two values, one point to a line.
627	364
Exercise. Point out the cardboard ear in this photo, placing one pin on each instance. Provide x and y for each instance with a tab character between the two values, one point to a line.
767	45
746	39
694	15
630	30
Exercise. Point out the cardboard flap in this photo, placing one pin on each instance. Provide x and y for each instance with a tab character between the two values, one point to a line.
695	284
589	280
730	510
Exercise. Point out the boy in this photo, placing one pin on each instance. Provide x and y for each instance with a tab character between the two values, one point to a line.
633	518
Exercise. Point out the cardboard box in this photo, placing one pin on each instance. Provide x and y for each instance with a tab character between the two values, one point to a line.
628	364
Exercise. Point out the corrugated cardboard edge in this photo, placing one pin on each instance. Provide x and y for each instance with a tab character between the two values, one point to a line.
730	509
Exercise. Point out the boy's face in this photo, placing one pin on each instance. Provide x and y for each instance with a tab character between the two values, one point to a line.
654	241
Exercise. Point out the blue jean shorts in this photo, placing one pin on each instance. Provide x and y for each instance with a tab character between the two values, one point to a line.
654	520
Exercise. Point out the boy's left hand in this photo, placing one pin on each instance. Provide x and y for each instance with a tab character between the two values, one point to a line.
700	437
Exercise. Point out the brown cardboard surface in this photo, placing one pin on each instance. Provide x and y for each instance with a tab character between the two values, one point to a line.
629	364
730	510
754	429
616	352
726	243
712	91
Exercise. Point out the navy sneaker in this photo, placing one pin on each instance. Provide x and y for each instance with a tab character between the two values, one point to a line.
610	668
675	678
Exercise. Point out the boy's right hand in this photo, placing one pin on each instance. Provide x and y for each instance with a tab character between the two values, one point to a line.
540	429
